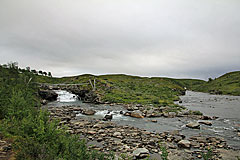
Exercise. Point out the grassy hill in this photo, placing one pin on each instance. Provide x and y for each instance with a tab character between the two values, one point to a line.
128	89
228	84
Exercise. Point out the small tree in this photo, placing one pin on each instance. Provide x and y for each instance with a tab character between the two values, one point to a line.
28	69
13	65
40	72
34	71
49	74
210	79
45	73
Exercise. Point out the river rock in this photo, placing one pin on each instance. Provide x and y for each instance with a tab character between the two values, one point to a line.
108	116
154	121
91	132
209	123
184	144
48	95
140	153
136	114
116	134
172	114
194	125
88	112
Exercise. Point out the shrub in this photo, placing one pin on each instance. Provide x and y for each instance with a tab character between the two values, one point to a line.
164	154
34	135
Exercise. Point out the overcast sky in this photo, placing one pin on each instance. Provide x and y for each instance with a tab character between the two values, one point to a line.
174	38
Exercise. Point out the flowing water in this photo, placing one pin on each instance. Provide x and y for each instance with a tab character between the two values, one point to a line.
227	108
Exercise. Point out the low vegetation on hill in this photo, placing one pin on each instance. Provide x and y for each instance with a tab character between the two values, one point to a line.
228	84
131	89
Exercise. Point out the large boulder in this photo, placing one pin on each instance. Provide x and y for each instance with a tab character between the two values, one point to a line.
88	112
108	116
136	114
209	123
194	125
184	144
116	134
140	153
85	95
48	95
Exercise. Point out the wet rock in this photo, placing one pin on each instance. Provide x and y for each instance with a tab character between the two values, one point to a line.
88	112
184	112
154	121
85	95
130	108
177	138
154	115
127	113
116	134
140	153
136	114
44	102
135	108
184	144
194	125
206	118
91	132
48	95
162	109
172	114
209	123
108	116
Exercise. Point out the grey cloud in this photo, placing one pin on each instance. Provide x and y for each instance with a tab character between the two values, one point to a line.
179	38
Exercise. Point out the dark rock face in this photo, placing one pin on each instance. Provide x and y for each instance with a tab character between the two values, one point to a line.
48	95
85	95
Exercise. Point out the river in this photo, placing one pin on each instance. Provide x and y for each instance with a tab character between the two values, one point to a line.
227	108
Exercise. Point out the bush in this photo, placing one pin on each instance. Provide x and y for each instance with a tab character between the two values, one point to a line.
34	135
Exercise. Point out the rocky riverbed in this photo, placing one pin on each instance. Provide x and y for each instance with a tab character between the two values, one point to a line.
138	132
107	136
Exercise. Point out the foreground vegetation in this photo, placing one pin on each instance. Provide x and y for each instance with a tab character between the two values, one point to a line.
34	135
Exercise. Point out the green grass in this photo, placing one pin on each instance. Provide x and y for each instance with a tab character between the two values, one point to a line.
228	84
131	89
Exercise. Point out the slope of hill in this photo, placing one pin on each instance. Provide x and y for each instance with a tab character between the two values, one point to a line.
229	84
128	89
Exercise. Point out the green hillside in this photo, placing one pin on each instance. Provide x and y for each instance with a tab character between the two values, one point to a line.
128	89
228	84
